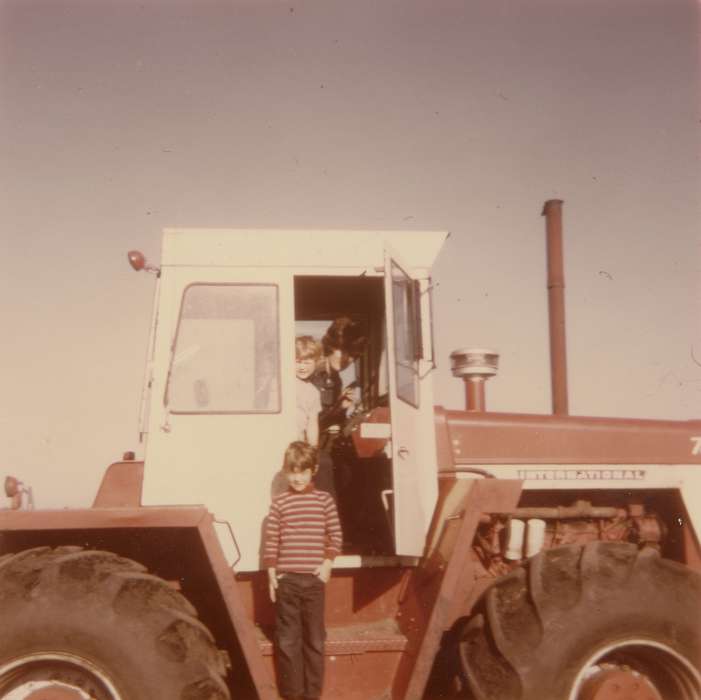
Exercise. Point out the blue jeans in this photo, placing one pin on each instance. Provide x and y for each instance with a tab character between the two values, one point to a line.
300	635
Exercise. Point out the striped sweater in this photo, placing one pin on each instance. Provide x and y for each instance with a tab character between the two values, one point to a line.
302	530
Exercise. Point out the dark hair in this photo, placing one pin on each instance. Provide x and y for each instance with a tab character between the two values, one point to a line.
300	456
344	334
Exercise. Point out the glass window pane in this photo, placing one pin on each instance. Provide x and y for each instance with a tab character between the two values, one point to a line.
225	358
405	316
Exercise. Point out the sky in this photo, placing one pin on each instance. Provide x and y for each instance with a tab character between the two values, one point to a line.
120	118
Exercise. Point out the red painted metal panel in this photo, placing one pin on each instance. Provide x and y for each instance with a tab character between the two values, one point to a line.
94	518
369	447
241	620
511	438
356	676
447	576
121	486
444	451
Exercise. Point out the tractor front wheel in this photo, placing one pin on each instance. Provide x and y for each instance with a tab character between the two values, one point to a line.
90	625
587	623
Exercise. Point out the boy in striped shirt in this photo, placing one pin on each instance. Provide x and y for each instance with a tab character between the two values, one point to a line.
302	538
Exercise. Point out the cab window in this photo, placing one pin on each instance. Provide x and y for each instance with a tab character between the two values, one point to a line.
225	357
407	335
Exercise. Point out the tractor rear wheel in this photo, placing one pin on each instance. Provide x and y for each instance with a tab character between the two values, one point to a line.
587	623
78	624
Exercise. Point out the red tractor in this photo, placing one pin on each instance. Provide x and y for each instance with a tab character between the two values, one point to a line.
492	556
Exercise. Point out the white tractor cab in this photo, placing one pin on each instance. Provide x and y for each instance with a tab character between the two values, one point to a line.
219	403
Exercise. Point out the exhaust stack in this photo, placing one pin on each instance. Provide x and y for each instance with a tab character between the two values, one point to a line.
552	211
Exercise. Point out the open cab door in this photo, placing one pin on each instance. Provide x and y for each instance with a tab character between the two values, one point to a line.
413	442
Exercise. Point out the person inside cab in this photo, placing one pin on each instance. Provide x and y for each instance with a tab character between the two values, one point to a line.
307	355
343	342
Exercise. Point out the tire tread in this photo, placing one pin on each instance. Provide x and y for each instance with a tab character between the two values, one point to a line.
536	624
122	587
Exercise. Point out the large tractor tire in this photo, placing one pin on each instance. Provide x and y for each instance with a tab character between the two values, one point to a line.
586	623
90	625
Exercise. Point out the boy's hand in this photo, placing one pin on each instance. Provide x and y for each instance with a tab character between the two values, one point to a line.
323	571
272	582
348	397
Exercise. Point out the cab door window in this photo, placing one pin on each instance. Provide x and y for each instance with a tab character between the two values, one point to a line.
225	356
407	335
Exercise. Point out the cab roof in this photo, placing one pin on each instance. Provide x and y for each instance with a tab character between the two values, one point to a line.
302	248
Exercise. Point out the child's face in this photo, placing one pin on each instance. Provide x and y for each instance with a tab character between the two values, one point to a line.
299	480
339	359
304	367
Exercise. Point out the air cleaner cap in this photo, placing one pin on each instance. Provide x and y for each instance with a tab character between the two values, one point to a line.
467	362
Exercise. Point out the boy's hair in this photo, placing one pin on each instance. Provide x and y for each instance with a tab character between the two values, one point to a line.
300	456
344	334
306	346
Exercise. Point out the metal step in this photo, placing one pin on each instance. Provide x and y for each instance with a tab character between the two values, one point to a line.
381	635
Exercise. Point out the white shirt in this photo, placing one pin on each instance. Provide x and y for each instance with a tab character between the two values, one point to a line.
308	406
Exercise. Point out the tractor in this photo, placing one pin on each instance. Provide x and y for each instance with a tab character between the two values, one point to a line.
487	555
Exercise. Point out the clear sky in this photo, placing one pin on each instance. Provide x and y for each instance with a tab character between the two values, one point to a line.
118	118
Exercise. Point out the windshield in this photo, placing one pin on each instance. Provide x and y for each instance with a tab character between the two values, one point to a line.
225	357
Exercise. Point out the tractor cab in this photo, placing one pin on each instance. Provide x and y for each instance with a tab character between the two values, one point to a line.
219	404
